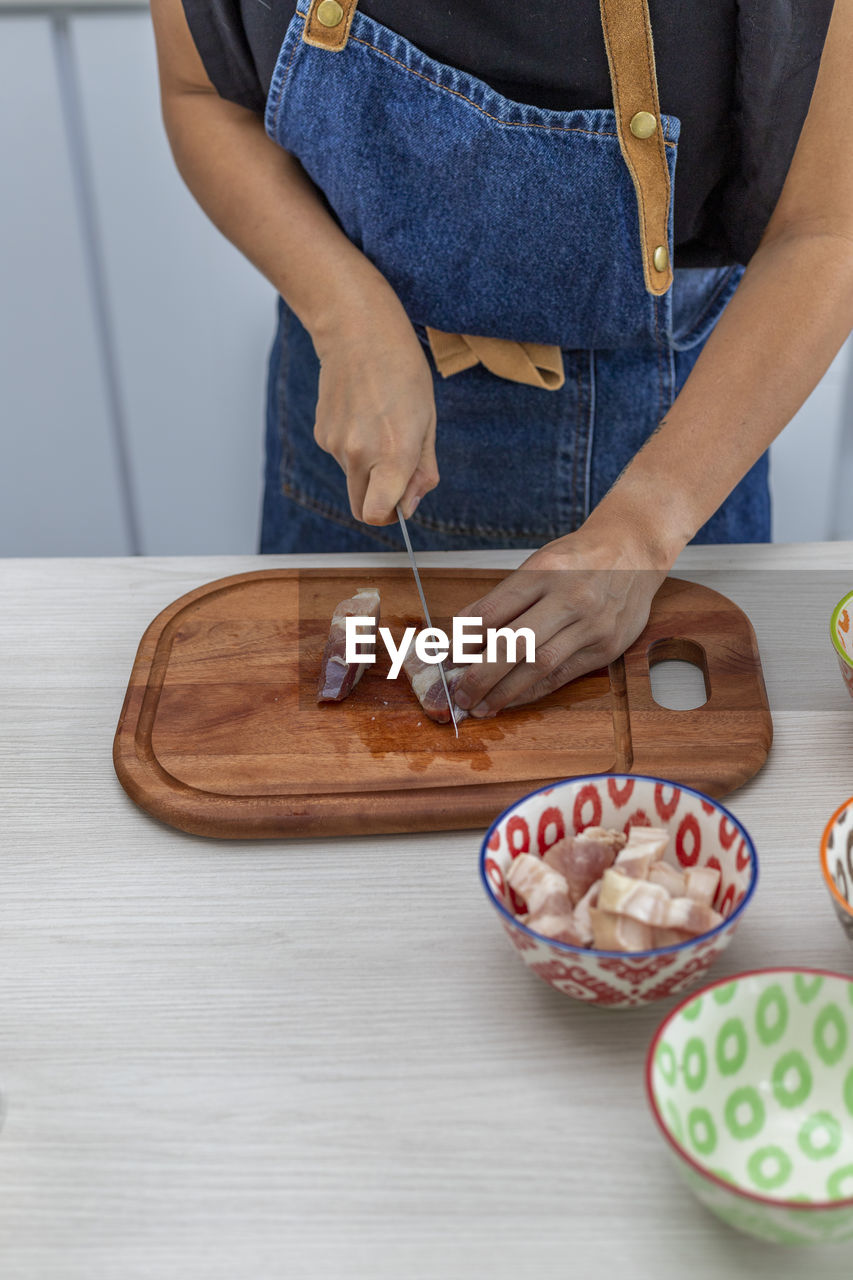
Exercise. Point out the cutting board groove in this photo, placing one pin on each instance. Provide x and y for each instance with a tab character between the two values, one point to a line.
220	733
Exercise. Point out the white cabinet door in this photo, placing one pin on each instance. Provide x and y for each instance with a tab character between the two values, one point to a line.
60	480
192	320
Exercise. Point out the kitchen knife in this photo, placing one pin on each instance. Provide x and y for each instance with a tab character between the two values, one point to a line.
413	562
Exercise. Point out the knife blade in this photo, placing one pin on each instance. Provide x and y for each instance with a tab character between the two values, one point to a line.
413	562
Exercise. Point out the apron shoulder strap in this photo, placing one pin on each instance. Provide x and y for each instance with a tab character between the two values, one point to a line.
328	23
631	58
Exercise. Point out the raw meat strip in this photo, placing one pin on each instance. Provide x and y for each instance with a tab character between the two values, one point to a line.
582	859
607	835
636	862
619	933
692	917
645	847
338	677
425	680
669	937
561	928
651	840
543	889
583	919
638	899
673	880
702	884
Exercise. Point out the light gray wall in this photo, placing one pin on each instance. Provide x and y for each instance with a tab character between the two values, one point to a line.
806	461
60	475
133	338
192	320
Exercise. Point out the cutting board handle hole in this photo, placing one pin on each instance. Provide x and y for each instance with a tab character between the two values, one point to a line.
678	674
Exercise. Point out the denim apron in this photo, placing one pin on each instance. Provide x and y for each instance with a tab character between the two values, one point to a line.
495	218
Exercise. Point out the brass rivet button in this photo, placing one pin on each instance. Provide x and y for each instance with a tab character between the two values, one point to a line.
329	13
642	125
660	258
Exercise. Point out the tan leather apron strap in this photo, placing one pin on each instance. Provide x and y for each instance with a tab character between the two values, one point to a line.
631	57
533	363
328	23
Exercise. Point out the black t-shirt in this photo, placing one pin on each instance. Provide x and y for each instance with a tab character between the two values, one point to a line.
722	65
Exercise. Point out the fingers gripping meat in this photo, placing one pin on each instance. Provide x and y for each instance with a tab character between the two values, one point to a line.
338	677
425	679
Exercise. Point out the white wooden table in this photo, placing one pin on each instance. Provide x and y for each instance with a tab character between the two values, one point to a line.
245	1060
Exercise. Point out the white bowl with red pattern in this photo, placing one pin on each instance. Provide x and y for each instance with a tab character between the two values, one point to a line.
702	834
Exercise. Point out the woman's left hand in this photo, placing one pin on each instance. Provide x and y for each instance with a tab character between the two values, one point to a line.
586	597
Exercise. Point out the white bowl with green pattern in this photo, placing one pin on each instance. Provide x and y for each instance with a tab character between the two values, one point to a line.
751	1083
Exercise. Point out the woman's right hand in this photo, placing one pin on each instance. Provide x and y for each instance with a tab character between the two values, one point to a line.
376	410
375	406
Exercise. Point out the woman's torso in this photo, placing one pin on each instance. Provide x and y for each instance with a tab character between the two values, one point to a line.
737	73
549	53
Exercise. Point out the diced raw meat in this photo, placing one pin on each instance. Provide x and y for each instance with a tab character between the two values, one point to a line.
543	889
670	937
619	933
425	680
692	917
671	878
582	860
638	899
561	928
626	898
607	835
583	920
702	884
337	676
635	862
652	840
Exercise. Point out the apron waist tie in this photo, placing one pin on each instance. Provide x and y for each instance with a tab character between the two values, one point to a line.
533	363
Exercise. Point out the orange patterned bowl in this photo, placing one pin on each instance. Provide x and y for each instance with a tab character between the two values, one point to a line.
836	862
841	632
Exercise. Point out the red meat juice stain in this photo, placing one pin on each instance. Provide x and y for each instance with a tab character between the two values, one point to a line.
390	721
406	731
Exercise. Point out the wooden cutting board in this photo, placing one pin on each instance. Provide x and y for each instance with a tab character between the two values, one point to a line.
220	733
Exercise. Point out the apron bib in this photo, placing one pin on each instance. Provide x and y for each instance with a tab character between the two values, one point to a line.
508	221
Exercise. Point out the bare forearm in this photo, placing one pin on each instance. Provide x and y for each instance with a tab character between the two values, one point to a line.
790	314
262	200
